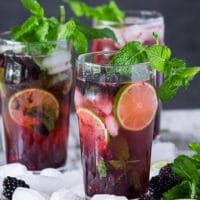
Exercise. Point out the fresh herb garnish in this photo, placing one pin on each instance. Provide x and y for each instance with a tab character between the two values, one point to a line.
188	169
102	168
175	71
110	12
39	28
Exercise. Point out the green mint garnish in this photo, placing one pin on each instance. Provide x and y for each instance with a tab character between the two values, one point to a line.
179	191
110	12
46	117
102	168
175	71
39	28
188	169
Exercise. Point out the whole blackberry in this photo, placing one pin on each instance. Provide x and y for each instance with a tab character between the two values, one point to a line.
10	184
163	182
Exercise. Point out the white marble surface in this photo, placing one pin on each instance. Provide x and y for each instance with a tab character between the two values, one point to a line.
178	129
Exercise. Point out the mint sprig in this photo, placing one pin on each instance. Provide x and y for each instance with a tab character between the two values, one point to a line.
110	12
188	169
175	71
39	28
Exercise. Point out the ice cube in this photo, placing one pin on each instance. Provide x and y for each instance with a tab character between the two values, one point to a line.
51	172
112	125
72	178
28	194
13	169
63	194
57	62
108	197
43	183
103	102
78	190
79	99
165	151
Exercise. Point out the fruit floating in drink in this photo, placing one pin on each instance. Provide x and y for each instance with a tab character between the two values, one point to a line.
139	26
36	92
116	114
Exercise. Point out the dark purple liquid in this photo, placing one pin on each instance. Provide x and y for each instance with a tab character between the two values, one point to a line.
33	144
126	157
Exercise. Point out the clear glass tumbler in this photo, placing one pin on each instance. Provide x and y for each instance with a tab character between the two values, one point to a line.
116	112
36	82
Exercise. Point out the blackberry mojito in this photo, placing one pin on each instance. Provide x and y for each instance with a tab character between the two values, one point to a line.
36	91
139	26
116	112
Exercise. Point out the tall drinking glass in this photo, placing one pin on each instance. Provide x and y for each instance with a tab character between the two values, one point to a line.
116	112
139	25
36	80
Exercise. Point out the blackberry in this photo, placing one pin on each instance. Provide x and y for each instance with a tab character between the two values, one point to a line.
166	169
10	184
163	182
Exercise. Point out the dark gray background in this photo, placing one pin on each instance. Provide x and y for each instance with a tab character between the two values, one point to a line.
182	32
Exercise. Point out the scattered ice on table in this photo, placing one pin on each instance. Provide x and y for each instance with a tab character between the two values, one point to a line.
14	170
43	183
163	151
51	172
78	190
108	197
63	194
72	178
28	194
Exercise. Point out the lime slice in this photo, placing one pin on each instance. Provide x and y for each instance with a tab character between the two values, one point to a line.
93	133
135	106
29	106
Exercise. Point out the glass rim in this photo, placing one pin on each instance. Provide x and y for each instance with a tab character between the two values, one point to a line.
81	60
134	13
6	38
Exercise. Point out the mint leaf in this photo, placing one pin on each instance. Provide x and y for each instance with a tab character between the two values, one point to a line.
34	7
131	53
194	146
102	168
180	191
110	12
158	55
184	167
155	36
20	32
174	79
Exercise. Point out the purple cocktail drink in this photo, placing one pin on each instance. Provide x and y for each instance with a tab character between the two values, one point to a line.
139	25
36	92
116	114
